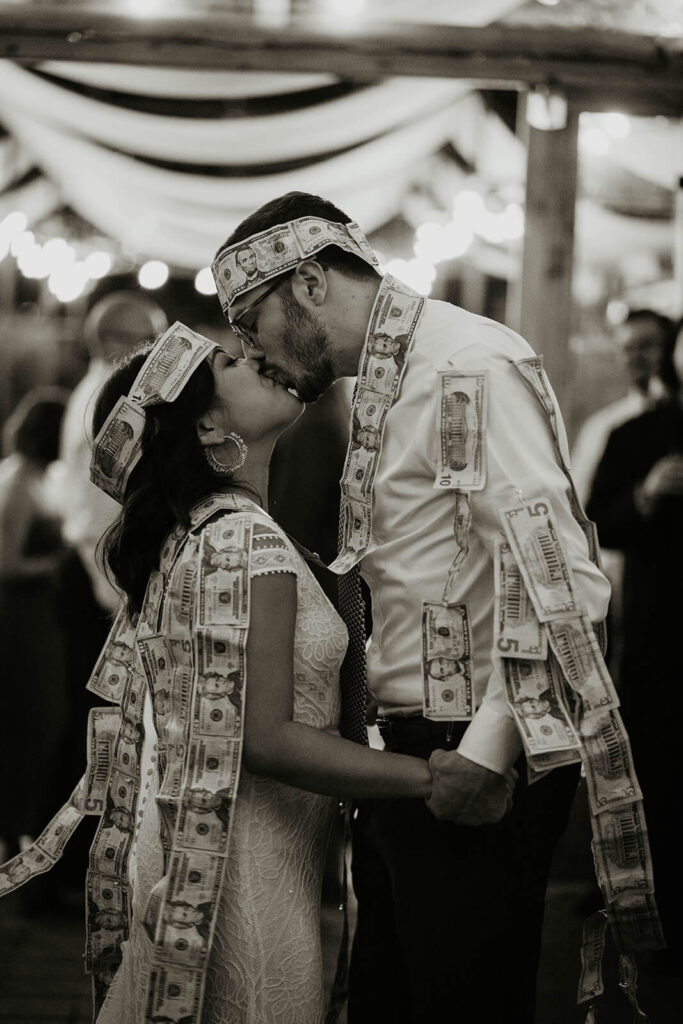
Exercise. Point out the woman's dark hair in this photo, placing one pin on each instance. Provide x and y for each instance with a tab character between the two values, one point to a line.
33	428
171	476
291	206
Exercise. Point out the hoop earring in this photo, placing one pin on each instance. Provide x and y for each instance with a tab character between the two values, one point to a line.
220	467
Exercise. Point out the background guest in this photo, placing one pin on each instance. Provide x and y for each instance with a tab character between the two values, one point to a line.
32	679
637	503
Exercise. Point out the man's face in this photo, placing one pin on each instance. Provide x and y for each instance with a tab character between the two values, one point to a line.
290	343
642	345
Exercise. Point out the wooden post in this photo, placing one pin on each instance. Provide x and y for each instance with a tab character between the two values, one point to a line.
540	306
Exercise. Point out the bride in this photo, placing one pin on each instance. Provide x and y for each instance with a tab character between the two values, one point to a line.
222	669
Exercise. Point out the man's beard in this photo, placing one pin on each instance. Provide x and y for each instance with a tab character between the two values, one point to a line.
305	342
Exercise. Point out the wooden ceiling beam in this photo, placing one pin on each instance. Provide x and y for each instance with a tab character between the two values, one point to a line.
587	61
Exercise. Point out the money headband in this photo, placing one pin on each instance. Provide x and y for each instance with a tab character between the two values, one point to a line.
240	267
165	372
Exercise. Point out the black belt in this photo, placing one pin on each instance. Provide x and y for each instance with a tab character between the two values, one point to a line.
398	732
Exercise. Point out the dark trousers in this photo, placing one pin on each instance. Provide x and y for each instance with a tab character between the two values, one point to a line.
450	917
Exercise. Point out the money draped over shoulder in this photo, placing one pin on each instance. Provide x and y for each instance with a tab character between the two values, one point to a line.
394	319
462	414
103	728
578	653
592	948
462	523
533	373
533	536
223	585
537	704
621	851
610	772
174	993
115	662
446	662
517	630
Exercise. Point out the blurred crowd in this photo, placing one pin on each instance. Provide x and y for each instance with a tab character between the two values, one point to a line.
56	603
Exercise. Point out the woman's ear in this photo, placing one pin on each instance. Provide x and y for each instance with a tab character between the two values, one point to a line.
210	430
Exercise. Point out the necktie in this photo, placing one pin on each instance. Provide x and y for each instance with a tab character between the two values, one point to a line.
353	671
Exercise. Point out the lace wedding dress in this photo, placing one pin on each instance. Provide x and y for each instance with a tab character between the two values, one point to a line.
265	966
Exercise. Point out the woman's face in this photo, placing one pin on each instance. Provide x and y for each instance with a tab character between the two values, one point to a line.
255	406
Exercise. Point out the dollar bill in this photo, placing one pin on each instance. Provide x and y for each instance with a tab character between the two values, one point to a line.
634	922
148	622
608	761
103	727
393	322
174	994
54	837
203	818
103	945
533	536
187	913
180	596
446	662
533	373
170	365
239	268
462	431
247	264
214	766
517	631
313	232
356	520
621	851
110	849
108	903
117	448
360	470
537	705
462	522
583	666
394	319
592	948
114	664
221	671
22	868
543	763
223	598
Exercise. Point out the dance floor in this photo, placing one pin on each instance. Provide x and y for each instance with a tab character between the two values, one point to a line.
42	980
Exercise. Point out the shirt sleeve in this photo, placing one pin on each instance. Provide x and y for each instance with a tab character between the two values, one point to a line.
521	464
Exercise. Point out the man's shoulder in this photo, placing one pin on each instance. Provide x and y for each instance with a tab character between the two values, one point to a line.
450	332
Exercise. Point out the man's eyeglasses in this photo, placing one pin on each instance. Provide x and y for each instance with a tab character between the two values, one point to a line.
242	331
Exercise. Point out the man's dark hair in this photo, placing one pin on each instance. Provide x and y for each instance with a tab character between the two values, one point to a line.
666	329
302	204
648	316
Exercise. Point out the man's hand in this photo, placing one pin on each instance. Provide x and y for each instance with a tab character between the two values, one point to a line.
466	793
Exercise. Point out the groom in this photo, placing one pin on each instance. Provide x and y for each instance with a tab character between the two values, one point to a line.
449	915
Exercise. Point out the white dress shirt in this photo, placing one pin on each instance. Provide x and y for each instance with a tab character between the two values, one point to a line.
412	543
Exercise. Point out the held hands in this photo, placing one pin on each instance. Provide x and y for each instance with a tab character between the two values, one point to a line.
466	793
